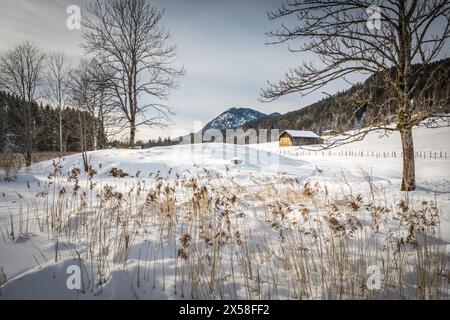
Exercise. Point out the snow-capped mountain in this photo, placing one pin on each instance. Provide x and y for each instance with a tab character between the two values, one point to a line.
233	118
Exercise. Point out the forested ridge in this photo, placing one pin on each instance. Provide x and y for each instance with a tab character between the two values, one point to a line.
353	108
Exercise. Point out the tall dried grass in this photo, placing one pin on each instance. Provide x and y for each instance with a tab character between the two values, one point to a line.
209	237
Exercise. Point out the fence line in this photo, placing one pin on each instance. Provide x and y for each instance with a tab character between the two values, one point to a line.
362	154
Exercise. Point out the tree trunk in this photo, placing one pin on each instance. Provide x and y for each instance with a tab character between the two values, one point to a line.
82	122
28	134
29	151
95	133
409	171
132	134
61	148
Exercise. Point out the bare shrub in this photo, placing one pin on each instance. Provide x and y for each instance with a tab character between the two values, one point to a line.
10	164
118	173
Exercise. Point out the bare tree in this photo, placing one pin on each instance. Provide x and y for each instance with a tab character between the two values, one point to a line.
383	38
83	97
127	37
88	95
102	107
57	87
80	99
20	73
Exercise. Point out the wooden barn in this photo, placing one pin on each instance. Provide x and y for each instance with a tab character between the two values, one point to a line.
290	138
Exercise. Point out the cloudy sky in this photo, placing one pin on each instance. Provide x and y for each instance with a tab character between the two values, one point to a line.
221	44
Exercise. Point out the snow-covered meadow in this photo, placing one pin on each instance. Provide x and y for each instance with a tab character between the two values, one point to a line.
188	223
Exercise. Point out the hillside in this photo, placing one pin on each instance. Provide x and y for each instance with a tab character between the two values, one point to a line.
339	113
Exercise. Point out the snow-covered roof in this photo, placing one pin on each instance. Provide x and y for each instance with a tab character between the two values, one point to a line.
300	134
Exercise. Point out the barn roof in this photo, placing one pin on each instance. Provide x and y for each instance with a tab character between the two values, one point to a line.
300	134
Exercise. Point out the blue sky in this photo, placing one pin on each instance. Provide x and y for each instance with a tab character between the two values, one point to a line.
220	43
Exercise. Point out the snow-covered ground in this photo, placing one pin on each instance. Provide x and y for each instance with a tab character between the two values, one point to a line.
35	259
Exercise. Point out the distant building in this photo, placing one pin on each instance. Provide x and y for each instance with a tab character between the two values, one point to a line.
329	133
298	138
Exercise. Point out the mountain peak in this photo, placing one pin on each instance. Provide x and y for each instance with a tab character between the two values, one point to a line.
234	117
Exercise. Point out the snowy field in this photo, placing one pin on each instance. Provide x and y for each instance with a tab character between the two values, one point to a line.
188	223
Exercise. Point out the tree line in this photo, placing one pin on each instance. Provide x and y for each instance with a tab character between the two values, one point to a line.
158	142
45	127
